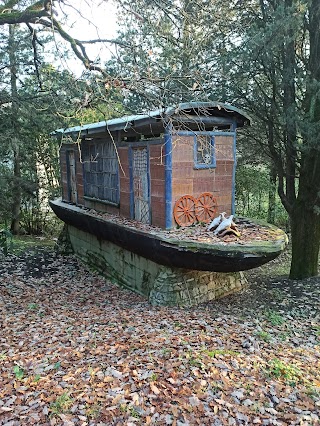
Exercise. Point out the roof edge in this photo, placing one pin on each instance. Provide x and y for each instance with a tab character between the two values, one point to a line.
164	113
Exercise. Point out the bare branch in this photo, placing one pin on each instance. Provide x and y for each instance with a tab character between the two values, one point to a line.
111	41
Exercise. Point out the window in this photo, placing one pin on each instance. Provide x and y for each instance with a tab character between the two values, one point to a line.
204	151
100	171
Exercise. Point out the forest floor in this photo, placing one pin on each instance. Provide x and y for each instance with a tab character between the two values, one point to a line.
77	350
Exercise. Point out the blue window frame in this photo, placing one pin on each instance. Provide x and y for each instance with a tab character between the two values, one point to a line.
204	151
100	171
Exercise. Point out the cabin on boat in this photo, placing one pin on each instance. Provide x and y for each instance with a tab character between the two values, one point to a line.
168	168
154	172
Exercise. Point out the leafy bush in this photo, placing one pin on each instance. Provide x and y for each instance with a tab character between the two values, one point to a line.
5	241
252	194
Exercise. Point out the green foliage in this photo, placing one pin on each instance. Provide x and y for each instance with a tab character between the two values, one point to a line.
57	365
62	404
153	377
22	243
36	378
93	411
252	194
280	370
18	372
274	318
263	335
5	241
216	352
130	409
33	307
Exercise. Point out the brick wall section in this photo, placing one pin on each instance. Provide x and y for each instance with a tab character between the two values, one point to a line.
157	178
124	174
188	180
185	178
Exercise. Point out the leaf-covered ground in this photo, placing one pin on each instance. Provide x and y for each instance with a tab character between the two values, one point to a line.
77	350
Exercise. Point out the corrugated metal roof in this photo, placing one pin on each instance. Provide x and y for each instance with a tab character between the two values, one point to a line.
150	117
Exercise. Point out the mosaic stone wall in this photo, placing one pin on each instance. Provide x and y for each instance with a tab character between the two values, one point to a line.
160	284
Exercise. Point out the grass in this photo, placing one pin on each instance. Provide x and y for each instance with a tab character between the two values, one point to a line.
62	404
18	372
93	411
33	307
36	378
216	352
153	377
280	370
132	411
274	318
20	243
265	336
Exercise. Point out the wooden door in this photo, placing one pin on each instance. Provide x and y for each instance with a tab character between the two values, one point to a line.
71	177
141	185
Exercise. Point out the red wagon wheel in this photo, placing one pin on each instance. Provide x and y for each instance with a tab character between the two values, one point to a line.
206	207
183	211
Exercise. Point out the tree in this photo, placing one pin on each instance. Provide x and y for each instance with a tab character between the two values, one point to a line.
269	52
43	14
282	47
264	56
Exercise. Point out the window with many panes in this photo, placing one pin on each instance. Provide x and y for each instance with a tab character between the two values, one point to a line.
100	171
204	151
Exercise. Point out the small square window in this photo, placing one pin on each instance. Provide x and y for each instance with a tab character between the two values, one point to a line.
204	151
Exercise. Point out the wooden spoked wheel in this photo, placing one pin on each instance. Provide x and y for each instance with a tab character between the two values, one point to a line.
184	210
206	207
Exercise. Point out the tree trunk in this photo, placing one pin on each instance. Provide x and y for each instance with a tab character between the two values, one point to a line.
305	217
16	192
272	195
16	188
289	105
305	225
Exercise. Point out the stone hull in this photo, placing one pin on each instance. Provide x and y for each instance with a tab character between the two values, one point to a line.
162	285
168	252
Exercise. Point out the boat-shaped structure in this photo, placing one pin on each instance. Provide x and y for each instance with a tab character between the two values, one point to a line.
179	249
138	191
179	267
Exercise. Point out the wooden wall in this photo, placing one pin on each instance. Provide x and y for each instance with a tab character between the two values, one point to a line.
64	174
158	185
124	174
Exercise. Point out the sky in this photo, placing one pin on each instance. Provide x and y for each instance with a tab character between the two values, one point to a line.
97	20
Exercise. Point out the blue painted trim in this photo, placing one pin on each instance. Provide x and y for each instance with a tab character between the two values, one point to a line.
149	184
130	158
233	197
211	133
168	175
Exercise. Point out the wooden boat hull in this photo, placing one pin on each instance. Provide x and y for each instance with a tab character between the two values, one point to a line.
174	253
